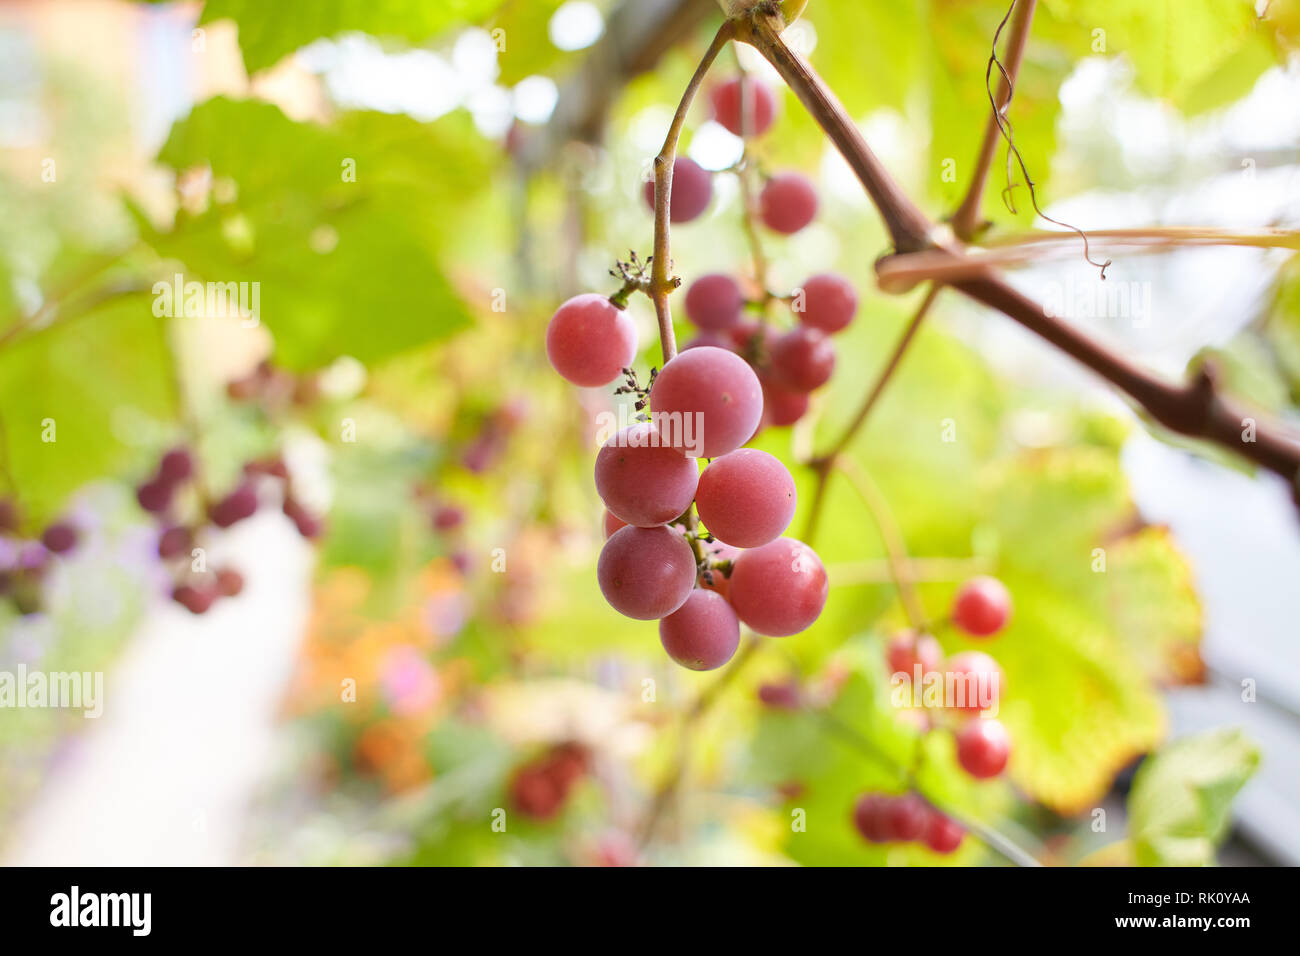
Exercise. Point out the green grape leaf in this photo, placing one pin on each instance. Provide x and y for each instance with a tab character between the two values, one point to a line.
270	31
1179	809
332	222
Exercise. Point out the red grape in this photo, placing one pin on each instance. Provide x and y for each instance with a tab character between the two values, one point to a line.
691	192
703	633
908	650
781	406
708	401
612	523
646	573
942	833
829	302
642	479
781	695
59	537
871	817
754	97
983	746
154	495
175	466
236	506
982	606
802	359
175	541
714	302
746	498
195	600
780	588
590	340
229	582
977	681
907	816
448	517
787	203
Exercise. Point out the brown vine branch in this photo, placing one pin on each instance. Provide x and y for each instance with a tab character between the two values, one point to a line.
1195	409
660	283
966	220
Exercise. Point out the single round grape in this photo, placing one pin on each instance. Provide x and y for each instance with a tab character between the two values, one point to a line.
229	582
942	833
236	506
154	495
983	746
781	406
780	588
787	203
746	498
692	190
908	650
590	340
646	573
752	96
59	537
176	466
643	480
982	606
802	359
907	816
871	817
707	402
714	302
829	302
175	541
977	681
193	599
612	523
703	633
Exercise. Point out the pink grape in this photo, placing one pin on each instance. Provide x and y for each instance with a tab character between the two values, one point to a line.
781	406
692	190
195	600
746	498
755	98
612	523
642	480
942	833
236	506
779	588
708	401
714	302
176	465
703	633
829	302
802	359
59	537
910	649
787	203
590	340
871	817
155	495
646	573
982	606
907	816
983	746
976	677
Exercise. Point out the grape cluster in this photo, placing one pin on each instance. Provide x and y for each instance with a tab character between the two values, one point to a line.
24	561
905	818
539	788
172	497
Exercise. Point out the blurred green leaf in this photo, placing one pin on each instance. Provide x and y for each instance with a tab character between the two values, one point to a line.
1179	809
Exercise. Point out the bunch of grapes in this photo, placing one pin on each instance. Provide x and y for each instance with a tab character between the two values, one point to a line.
905	818
184	517
657	563
24	561
539	788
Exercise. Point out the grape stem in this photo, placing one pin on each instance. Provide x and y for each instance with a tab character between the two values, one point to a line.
966	220
1195	408
660	282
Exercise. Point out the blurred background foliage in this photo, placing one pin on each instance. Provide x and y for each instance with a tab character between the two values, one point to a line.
411	241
